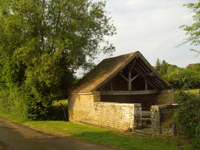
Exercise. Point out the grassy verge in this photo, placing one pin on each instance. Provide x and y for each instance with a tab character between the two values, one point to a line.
107	137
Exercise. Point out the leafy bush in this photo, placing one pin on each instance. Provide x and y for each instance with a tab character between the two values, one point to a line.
12	101
188	116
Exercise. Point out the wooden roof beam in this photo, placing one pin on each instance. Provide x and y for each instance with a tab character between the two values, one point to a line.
133	63
140	92
135	77
142	74
151	74
123	76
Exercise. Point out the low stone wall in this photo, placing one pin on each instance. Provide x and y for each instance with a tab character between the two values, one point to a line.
162	119
120	116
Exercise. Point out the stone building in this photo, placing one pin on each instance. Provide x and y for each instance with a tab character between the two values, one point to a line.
118	93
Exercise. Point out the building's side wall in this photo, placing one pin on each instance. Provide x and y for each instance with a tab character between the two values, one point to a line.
119	116
147	100
81	106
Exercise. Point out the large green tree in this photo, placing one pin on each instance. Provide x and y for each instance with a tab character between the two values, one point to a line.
42	44
193	31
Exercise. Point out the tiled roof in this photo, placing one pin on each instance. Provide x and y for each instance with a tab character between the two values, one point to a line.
190	65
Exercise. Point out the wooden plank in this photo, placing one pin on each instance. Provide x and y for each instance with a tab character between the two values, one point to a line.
144	66
136	84
151	74
123	76
140	92
146	119
146	114
135	77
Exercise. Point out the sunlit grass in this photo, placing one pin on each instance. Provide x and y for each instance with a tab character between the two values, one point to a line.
192	91
103	136
56	103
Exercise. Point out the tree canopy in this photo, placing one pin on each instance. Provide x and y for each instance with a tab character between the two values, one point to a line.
43	43
193	30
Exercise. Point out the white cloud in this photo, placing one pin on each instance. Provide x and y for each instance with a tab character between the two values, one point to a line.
152	27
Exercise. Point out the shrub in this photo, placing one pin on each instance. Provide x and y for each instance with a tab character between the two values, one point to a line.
188	116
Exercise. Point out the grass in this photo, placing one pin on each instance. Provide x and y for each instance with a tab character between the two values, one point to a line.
104	136
192	91
57	103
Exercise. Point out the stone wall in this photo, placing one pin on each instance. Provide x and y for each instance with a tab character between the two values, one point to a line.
122	116
126	114
81	106
162	119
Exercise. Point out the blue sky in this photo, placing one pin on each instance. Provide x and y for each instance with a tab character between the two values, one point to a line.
152	27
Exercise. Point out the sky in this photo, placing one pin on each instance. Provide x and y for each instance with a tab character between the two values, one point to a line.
152	27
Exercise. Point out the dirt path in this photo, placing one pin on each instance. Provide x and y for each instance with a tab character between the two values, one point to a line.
20	137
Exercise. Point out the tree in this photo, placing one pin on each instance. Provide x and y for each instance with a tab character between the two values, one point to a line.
193	30
43	43
158	64
163	67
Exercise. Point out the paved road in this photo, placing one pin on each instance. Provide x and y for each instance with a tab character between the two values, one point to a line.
21	137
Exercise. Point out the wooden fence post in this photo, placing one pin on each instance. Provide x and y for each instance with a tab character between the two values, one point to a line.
64	111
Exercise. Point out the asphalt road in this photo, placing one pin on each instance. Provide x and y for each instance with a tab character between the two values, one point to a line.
20	137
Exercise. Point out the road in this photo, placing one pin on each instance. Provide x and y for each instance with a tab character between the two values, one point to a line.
21	137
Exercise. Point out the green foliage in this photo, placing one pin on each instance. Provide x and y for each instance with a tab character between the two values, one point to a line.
181	78
13	102
158	65
188	116
186	79
163	67
42	44
193	30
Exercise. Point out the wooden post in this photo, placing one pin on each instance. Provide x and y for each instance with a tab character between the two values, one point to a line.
129	80
64	111
174	129
111	87
146	85
197	91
